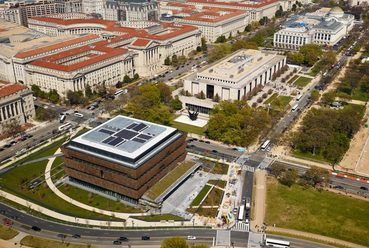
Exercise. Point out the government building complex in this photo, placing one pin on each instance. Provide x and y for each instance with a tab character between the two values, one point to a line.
124	157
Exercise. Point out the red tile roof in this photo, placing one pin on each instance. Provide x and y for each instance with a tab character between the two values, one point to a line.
44	49
141	42
236	4
9	89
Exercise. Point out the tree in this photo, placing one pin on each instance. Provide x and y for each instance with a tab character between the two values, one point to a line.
201	95
182	59
75	97
289	177
311	52
294	7
198	49
296	58
328	98
174	60
53	96
277	169
248	28
126	79
204	46
12	128
316	176
100	90
45	115
167	61
216	98
165	93
315	95
88	91
175	103
221	39
219	52
279	12
136	77
174	242
264	20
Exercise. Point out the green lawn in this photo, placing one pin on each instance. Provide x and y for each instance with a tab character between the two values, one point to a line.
159	217
324	213
7	233
271	98
214	198
164	183
16	181
207	212
309	156
315	69
37	242
219	183
188	128
302	81
277	102
96	200
357	94
201	195
214	167
292	79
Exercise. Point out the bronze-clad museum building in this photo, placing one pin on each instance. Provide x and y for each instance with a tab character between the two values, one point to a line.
124	155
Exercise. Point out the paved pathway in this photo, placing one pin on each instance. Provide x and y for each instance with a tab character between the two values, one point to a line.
314	236
259	198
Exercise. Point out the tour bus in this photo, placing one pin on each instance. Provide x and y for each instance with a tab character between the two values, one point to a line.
65	126
298	97
62	118
277	243
294	108
265	145
241	212
120	92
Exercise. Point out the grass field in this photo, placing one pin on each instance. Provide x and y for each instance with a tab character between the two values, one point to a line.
214	198
188	128
169	179
207	212
218	183
292	79
96	200
16	181
302	81
7	233
214	167
201	195
271	98
309	156
324	213
277	102
37	242
159	217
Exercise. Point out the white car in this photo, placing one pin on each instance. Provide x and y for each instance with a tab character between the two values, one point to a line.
191	237
78	114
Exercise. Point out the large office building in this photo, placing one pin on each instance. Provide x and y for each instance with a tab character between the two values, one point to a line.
16	104
124	157
323	27
131	10
232	78
212	21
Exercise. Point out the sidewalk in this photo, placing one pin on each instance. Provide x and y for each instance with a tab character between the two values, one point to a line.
314	236
259	197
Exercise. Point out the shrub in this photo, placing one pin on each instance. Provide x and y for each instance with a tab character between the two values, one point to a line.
265	95
254	105
270	91
259	100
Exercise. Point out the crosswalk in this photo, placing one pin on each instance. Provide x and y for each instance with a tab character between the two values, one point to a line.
240	226
249	168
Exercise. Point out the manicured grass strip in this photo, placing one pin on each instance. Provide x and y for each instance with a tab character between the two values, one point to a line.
292	79
169	179
214	167
17	180
37	242
7	233
207	212
302	81
159	217
272	98
218	183
188	128
309	156
201	195
95	200
319	212
214	198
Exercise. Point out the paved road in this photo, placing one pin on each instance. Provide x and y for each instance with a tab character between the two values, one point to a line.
24	221
298	243
348	184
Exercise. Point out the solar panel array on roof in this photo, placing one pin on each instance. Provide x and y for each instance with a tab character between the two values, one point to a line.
106	131
139	127
106	141
126	134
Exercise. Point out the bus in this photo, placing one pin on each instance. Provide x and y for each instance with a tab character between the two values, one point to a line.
294	108
62	118
277	243
298	97
265	145
65	126
120	92
241	212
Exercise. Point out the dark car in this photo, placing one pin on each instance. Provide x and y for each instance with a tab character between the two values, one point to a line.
145	237
62	236
338	187
363	188
117	242
36	228
76	236
123	238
